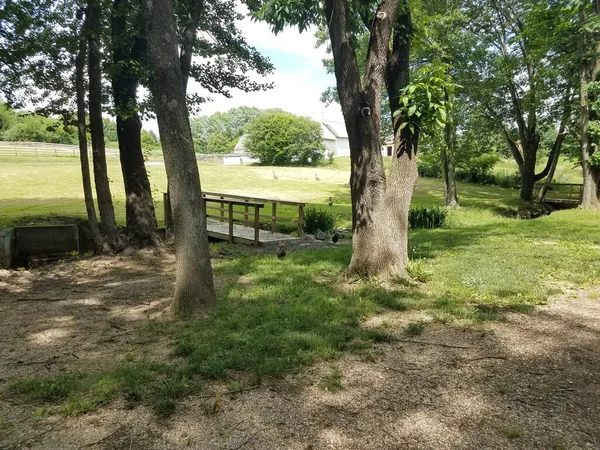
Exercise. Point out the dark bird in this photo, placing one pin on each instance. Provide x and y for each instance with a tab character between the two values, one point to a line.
281	251
335	238
275	177
330	202
317	176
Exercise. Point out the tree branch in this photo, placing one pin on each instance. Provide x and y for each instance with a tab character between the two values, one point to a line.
188	38
346	66
556	147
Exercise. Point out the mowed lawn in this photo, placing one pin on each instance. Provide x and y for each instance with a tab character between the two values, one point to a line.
49	186
274	316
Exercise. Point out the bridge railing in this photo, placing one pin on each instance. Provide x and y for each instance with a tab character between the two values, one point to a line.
273	218
242	210
562	192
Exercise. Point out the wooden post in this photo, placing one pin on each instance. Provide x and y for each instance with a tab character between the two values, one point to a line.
167	213
245	213
222	207
570	191
230	208
273	217
256	225
300	220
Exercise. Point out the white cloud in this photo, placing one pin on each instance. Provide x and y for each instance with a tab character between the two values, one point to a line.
295	90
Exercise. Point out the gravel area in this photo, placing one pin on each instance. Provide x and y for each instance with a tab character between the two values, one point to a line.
529	382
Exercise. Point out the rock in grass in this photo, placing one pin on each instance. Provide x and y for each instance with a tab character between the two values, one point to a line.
320	235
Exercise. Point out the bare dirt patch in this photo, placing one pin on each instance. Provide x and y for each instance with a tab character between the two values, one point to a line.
529	382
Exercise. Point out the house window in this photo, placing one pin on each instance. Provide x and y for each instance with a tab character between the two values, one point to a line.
389	150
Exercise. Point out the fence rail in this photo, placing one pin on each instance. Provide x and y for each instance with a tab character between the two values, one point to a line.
45	149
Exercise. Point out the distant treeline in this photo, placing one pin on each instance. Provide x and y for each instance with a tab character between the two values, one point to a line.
24	126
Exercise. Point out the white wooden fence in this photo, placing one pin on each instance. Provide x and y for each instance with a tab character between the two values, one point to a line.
46	149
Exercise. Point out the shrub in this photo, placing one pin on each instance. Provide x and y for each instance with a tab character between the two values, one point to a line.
279	138
429	165
427	216
318	219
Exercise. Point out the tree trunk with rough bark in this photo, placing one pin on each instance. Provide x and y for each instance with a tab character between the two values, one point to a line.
105	204
448	172
97	238
379	212
588	71
142	227
194	289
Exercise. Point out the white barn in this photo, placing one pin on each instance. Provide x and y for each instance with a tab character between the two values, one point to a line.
335	139
239	155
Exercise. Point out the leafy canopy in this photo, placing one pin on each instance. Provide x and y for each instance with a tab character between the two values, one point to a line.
424	103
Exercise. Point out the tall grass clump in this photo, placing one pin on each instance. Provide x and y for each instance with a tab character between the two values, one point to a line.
318	219
427	216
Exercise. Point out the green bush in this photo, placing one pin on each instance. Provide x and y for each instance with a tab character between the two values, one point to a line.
318	219
429	164
278	138
427	216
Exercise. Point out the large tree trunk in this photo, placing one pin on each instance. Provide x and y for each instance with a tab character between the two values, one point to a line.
98	239
528	170
448	172
588	71
194	287
142	228
591	176
379	212
105	204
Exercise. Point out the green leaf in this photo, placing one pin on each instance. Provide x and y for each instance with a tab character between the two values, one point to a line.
412	110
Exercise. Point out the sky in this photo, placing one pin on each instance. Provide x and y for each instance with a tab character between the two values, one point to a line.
299	77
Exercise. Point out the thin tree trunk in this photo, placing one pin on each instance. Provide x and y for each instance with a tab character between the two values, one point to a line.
105	204
557	146
98	239
194	287
142	227
553	163
448	172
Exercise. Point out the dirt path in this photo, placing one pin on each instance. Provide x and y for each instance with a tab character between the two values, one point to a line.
530	382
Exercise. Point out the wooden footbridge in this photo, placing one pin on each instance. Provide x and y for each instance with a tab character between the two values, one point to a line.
562	194
238	219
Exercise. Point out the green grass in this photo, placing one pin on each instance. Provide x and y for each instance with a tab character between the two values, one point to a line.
32	187
332	381
415	328
512	432
567	171
275	316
